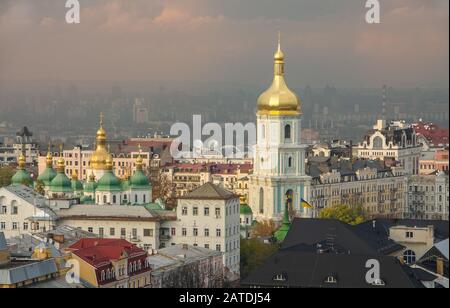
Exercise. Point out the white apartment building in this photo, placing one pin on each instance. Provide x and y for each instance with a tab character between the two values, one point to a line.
23	211
209	217
428	196
395	140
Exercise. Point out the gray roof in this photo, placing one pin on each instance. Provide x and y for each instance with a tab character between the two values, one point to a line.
3	245
210	191
442	246
30	196
81	211
188	252
17	272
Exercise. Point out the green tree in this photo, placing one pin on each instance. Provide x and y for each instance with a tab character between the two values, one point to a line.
40	187
344	213
6	173
253	254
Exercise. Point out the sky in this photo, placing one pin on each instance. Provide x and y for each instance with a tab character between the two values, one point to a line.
326	42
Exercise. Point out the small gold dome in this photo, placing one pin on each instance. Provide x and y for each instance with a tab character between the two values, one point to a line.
109	163
101	154
22	162
61	164
279	100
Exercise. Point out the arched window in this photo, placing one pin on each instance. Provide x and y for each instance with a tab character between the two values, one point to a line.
377	143
263	131
290	196
409	257
287	131
105	200
145	199
261	201
290	162
135	199
114	199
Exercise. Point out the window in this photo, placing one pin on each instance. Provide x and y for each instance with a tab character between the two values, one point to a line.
207	246
14	210
279	277
184	232
123	232
409	257
25	226
4	210
206	211
218	232
134	233
2	225
104	199
217	212
409	234
114	199
290	162
195	232
135	199
184	211
101	232
91	230
173	232
148	232
287	132
218	247
331	279
206	232
112	232
195	211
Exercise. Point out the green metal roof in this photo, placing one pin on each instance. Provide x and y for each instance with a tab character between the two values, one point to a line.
47	176
77	185
61	183
246	209
109	182
282	232
139	181
21	178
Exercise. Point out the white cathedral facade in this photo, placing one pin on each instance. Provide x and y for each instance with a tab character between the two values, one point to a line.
279	162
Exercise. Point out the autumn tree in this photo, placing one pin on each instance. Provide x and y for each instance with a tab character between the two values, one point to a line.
344	213
264	228
6	173
162	188
40	187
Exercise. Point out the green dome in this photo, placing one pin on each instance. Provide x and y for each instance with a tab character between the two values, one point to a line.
77	185
86	199
109	182
61	183
246	210
47	176
126	185
90	186
21	178
139	180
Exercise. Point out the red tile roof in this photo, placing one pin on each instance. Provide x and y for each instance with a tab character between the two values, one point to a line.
100	252
432	132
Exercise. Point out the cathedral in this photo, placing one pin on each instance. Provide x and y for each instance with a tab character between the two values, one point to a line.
279	162
102	188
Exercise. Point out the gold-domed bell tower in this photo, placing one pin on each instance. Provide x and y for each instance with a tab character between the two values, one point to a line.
101	155
279	162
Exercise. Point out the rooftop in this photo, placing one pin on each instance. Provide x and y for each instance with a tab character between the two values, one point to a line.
210	191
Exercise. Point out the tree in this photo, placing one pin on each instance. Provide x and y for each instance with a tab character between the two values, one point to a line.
6	173
253	254
40	187
344	213
264	228
163	189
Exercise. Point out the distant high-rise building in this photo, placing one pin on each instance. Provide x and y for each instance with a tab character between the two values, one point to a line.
140	111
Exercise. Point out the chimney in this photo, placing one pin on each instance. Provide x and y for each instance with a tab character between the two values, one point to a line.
440	266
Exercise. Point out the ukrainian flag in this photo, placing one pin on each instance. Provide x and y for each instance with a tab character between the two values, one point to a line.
305	204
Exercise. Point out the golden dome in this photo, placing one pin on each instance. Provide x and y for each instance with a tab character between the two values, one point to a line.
279	100
109	163
49	158
22	162
75	175
61	164
139	160
101	154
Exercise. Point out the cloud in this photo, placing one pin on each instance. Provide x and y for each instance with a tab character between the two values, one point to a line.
325	41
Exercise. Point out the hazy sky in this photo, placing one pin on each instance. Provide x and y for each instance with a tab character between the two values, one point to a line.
325	41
